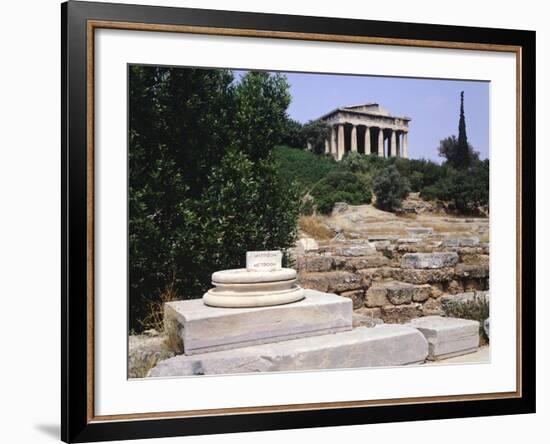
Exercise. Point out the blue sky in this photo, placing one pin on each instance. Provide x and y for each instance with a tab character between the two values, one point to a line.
432	104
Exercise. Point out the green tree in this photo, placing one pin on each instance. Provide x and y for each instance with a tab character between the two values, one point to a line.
197	141
462	149
293	135
245	207
468	191
316	132
259	121
340	186
458	152
390	189
449	148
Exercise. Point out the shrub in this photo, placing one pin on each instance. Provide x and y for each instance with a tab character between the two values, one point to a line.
477	310
467	190
390	189
340	186
293	135
301	166
245	207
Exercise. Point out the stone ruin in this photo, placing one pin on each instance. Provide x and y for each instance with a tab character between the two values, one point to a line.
350	305
397	279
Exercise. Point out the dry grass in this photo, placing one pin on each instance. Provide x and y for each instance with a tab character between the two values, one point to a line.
155	316
315	226
411	216
440	227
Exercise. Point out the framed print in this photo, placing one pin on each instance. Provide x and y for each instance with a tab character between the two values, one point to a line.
275	221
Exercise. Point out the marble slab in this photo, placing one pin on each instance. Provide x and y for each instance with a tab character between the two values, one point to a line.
206	329
363	347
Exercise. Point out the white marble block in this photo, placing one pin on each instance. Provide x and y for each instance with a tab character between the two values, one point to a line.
264	260
363	347
206	329
448	337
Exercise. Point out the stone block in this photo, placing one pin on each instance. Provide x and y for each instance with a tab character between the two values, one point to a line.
448	337
376	296
432	307
472	271
383	345
264	260
474	258
398	314
368	275
360	263
313	281
339	281
422	293
364	249
429	260
318	263
397	293
419	231
420	276
306	245
357	297
460	242
206	329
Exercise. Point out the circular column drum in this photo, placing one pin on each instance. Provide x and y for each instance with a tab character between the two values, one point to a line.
243	288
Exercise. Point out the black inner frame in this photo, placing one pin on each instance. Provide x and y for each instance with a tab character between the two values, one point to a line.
74	424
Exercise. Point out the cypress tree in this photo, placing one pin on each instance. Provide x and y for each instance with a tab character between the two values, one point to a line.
462	150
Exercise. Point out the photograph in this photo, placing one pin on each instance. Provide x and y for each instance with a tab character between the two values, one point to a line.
305	221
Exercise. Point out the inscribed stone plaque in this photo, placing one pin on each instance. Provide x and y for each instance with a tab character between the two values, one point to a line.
264	260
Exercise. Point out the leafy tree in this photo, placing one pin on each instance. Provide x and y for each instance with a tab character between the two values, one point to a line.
316	132
293	135
468	191
390	189
245	207
340	186
203	187
261	102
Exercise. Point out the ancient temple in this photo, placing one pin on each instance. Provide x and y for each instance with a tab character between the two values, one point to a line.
366	129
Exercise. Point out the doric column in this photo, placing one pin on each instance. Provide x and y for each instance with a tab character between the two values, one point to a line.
327	146
341	143
393	144
380	142
333	146
405	150
399	144
354	138
367	140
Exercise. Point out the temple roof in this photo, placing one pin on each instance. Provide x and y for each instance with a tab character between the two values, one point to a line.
366	109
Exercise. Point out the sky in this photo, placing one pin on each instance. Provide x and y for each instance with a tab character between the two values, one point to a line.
432	104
